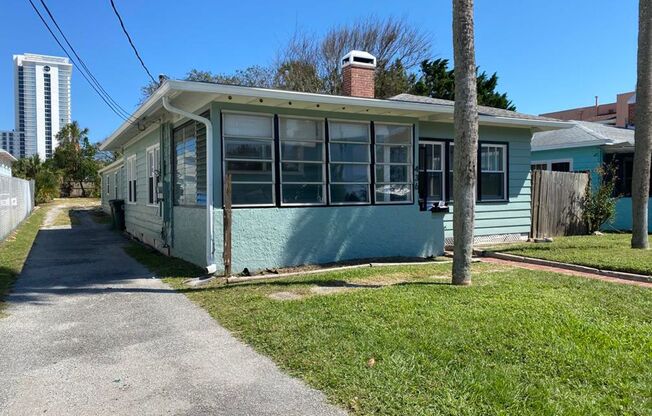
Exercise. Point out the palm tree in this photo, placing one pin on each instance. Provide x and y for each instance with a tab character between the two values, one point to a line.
643	135
466	140
72	133
27	167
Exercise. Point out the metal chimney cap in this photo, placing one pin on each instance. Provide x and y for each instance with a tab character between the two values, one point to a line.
358	58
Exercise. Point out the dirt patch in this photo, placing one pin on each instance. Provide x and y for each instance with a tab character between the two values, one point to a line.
285	296
329	290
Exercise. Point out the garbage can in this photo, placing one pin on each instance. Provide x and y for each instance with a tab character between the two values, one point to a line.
118	213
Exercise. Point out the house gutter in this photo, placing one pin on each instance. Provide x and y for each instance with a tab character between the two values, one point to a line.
210	240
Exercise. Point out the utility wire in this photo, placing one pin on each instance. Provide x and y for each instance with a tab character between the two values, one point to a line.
124	112
124	29
47	26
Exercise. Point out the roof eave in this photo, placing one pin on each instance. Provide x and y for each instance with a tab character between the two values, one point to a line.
421	111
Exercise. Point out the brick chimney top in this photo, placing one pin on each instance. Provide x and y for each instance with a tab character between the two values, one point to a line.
358	74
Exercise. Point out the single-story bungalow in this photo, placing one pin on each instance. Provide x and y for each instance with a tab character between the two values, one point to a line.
315	178
584	148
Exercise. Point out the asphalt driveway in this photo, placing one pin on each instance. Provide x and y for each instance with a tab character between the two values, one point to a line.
90	332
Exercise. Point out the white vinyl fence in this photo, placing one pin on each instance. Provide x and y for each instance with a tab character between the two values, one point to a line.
16	203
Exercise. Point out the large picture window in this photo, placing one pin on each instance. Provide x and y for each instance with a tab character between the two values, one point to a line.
493	174
393	163
302	161
249	157
153	174
349	162
132	176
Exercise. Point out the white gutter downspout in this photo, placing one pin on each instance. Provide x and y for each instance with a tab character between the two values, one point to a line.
210	241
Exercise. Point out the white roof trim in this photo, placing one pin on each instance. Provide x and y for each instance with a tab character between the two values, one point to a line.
421	111
111	166
7	156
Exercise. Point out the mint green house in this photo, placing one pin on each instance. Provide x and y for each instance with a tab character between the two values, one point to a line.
315	178
584	148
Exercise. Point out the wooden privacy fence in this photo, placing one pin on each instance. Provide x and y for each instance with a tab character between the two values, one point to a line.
557	203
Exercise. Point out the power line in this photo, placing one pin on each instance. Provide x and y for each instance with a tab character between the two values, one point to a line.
47	26
124	29
124	112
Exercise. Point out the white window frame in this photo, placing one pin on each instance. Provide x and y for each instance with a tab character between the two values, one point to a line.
443	171
155	152
369	165
504	172
115	184
108	184
272	161
549	163
409	164
132	180
323	162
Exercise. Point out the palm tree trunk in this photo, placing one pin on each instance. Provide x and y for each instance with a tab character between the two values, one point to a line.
466	140
643	135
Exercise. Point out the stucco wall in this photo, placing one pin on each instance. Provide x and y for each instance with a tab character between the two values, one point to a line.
189	235
277	237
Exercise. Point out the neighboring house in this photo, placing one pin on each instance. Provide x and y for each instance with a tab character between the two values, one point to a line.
6	160
584	148
315	178
622	113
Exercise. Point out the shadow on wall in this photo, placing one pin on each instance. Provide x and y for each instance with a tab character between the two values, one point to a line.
295	236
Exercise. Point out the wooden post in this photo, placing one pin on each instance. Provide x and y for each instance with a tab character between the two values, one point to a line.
227	226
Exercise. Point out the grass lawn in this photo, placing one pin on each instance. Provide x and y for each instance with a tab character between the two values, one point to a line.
15	248
516	342
609	252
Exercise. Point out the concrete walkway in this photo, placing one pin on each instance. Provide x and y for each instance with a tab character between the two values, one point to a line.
89	332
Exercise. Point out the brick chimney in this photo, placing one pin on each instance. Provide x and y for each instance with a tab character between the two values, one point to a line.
358	74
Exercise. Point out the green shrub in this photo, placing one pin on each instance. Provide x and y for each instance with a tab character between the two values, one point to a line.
47	185
599	204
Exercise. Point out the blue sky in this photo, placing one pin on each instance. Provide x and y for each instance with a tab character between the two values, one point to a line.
550	55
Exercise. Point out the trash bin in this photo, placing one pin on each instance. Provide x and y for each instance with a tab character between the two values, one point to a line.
118	213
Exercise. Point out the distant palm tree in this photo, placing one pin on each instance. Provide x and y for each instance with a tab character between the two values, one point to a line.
27	167
72	133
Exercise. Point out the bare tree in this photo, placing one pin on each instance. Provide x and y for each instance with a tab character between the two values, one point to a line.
466	140
396	44
643	135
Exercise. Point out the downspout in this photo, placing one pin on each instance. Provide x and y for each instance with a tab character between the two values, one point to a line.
210	240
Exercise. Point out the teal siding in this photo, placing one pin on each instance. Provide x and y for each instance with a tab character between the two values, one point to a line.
109	176
141	220
496	218
277	237
589	159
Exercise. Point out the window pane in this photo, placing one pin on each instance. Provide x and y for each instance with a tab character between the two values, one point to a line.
249	171
349	193
492	186
434	186
354	132
396	173
491	158
434	160
451	153
302	172
247	149
247	125
252	194
309	151
303	194
340	152
300	129
560	167
393	193
349	173
392	154
386	133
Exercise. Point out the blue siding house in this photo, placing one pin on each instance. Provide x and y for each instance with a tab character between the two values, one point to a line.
585	147
315	178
